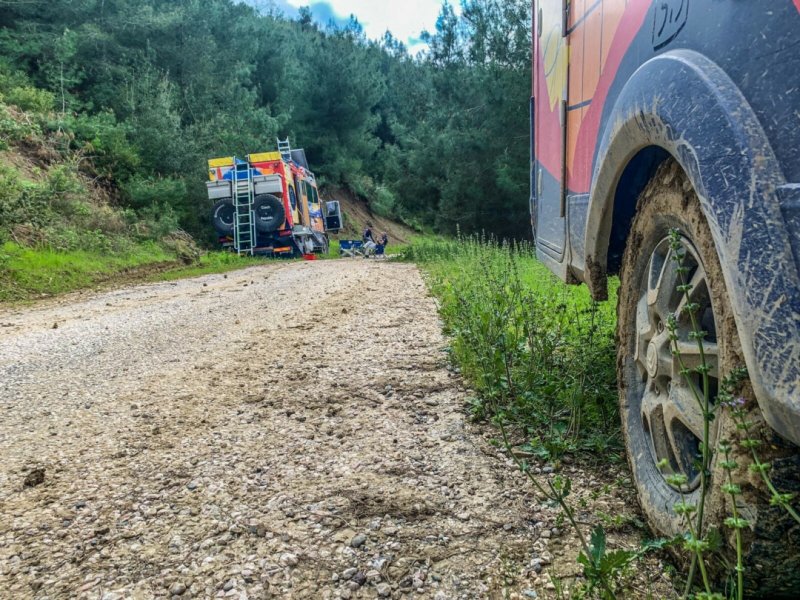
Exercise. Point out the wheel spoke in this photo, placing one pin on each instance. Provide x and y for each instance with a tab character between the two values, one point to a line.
651	403
684	407
684	423
653	415
644	333
662	293
698	294
690	357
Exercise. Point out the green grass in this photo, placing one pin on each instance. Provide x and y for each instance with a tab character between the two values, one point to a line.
30	273
539	354
27	273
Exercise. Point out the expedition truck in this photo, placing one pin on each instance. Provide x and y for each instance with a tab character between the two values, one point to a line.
654	116
269	204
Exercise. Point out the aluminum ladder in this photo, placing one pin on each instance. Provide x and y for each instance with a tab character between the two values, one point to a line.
244	226
285	148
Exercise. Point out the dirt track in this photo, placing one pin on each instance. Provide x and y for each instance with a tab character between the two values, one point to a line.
289	431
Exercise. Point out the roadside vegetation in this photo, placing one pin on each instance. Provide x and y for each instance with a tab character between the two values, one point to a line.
61	228
539	354
541	358
28	273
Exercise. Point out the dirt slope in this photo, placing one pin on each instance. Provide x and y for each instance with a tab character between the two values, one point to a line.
288	431
357	214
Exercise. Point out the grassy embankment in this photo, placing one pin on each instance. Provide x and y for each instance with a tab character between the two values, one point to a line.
68	220
539	354
28	273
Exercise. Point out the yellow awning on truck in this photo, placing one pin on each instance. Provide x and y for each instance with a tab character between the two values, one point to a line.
220	162
264	157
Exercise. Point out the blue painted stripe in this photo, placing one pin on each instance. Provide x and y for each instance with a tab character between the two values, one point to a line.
580	21
580	104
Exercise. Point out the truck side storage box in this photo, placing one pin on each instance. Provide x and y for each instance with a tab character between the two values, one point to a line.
268	184
217	190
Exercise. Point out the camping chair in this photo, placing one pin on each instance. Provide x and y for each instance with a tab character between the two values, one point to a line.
351	248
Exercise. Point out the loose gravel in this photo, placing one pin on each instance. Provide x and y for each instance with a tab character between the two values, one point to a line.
288	431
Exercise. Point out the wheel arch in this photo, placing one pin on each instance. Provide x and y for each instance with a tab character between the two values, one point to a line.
683	106
633	180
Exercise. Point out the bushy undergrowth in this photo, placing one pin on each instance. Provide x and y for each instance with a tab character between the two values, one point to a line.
71	213
539	354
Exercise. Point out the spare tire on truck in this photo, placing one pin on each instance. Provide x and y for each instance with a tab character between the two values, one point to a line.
270	213
224	215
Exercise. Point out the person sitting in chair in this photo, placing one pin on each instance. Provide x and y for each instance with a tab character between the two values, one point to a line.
380	247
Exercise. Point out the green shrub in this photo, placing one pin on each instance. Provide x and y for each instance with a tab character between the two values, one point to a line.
156	222
10	188
11	78
539	354
151	193
361	185
15	127
22	202
384	202
64	185
101	136
30	99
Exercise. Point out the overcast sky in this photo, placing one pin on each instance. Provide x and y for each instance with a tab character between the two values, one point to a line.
406	19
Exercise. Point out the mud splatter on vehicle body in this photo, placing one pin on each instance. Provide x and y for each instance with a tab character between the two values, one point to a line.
621	89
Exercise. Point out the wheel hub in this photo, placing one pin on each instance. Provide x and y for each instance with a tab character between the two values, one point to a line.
652	360
671	414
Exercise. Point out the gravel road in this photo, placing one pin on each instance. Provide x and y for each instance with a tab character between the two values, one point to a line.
287	431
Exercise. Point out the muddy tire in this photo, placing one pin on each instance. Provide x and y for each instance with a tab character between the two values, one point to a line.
662	421
223	216
269	212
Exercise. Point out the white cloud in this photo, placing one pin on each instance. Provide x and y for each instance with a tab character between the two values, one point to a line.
406	19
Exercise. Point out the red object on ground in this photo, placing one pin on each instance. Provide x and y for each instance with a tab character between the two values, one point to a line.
309	257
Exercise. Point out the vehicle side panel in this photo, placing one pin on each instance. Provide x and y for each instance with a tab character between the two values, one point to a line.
725	103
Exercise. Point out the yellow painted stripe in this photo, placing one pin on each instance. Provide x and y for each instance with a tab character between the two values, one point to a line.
264	157
220	162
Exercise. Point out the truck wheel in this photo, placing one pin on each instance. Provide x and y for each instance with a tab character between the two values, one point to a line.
662	421
269	212
223	216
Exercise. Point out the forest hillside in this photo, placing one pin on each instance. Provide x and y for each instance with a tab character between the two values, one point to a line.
110	108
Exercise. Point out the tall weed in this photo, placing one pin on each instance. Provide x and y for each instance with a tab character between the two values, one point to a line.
538	353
